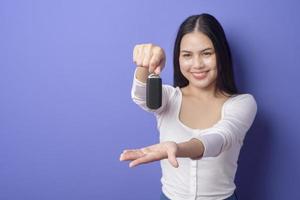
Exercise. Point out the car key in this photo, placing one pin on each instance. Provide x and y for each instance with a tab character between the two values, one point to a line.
154	91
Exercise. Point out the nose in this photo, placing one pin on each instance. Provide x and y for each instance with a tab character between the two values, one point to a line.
198	63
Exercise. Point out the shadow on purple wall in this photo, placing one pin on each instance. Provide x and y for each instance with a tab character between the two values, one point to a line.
253	160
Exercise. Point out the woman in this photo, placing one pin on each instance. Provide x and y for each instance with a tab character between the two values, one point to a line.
203	119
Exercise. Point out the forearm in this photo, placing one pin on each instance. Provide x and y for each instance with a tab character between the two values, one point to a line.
193	148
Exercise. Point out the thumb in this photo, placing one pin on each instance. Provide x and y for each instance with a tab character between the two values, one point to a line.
172	159
157	70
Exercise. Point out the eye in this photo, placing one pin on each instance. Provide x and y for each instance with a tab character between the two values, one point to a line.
207	53
186	55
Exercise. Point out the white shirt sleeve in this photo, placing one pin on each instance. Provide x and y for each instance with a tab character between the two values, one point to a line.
138	95
238	117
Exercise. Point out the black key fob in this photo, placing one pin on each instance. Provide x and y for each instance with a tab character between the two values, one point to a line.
154	91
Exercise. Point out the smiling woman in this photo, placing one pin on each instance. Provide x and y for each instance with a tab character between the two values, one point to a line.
198	61
202	120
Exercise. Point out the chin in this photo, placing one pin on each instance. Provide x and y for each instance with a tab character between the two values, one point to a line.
200	85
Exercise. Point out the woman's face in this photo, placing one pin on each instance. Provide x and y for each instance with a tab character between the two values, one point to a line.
197	60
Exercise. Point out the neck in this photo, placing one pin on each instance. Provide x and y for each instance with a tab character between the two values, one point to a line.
207	93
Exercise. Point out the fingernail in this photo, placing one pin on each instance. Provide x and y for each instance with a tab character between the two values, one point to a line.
157	71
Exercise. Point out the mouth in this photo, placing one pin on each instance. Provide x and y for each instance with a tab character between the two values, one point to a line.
200	75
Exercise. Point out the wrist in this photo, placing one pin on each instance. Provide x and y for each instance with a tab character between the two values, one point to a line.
193	148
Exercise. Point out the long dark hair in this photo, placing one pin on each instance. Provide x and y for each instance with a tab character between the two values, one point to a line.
208	25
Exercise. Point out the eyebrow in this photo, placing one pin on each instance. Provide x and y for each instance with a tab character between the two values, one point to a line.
209	48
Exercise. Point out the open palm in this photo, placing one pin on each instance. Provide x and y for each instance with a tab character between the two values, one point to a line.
151	153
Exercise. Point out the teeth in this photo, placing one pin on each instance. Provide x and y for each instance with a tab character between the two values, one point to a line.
200	72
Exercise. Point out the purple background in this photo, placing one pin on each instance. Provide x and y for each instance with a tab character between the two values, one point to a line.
65	108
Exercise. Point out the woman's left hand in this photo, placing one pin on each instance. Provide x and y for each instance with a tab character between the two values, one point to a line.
151	153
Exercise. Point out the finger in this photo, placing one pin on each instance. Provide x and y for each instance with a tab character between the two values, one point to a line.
130	150
139	56
160	62
156	59
151	148
172	159
147	55
134	54
160	66
131	155
154	62
157	70
145	159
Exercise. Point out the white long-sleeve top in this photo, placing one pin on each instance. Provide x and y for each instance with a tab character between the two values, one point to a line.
212	176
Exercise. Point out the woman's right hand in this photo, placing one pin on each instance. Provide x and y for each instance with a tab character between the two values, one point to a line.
149	56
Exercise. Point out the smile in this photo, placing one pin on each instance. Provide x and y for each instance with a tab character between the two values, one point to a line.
200	75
